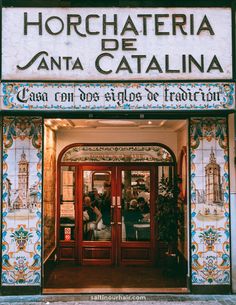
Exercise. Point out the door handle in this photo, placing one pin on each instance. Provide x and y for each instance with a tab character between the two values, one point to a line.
113	210
118	202
113	201
119	207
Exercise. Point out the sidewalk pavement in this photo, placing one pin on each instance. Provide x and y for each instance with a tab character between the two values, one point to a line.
106	299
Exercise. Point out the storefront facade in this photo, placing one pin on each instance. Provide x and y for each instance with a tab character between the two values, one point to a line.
116	94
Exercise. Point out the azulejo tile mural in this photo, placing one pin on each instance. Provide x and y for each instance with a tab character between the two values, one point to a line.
210	237
117	96
21	201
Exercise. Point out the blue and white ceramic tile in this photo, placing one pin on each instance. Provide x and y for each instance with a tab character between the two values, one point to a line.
21	209
209	213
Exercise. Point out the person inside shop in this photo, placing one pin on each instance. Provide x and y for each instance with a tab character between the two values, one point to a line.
91	218
96	198
144	232
143	205
132	216
144	192
106	205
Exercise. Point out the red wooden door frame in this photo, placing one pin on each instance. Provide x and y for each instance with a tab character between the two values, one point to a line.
137	244
116	244
82	244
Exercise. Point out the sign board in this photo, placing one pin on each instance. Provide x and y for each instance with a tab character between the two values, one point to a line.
117	96
116	44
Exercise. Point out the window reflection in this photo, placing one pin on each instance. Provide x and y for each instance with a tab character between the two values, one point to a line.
135	205
97	206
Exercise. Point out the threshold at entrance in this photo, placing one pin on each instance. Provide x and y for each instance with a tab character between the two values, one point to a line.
67	277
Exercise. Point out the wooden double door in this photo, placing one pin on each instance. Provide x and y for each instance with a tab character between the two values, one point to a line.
115	214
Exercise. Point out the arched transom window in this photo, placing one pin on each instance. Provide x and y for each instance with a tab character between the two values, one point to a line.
117	153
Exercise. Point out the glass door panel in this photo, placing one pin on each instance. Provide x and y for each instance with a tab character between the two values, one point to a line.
135	205
97	205
117	214
67	203
166	172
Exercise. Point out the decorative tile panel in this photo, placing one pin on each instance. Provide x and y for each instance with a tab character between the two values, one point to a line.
117	153
210	238
117	96
21	201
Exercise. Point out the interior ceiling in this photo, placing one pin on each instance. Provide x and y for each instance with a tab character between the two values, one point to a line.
168	125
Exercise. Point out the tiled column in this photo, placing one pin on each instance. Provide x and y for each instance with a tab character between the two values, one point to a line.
232	196
210	233
21	203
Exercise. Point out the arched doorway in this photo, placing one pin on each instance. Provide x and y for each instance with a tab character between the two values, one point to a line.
107	202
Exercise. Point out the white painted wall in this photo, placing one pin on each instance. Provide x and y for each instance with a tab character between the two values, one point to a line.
232	197
18	48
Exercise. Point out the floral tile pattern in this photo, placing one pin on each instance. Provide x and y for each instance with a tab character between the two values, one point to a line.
21	201
119	153
210	240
